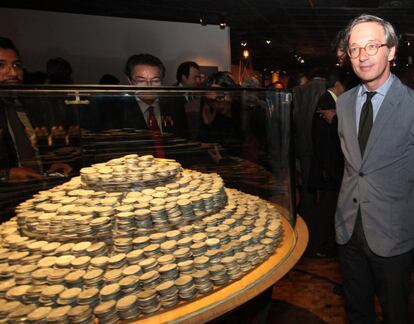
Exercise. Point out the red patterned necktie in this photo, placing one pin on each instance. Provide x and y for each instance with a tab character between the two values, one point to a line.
155	133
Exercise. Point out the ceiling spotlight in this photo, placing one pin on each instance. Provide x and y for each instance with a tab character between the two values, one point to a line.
302	61
243	43
223	24
408	43
246	54
268	41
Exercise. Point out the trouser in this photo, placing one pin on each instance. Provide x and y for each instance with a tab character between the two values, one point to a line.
307	197
322	228
366	274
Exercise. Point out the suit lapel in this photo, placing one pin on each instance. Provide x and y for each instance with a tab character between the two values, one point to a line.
387	109
350	120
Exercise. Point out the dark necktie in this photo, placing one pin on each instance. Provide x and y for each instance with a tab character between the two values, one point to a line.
365	122
155	132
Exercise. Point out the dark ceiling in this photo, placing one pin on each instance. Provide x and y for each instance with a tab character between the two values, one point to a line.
306	27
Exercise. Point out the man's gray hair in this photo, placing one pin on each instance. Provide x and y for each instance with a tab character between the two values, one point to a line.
391	38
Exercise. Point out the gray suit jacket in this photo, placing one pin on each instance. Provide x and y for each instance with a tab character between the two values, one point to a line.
382	182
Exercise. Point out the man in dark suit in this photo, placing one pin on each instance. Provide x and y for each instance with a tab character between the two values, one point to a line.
326	167
149	110
305	99
19	158
374	218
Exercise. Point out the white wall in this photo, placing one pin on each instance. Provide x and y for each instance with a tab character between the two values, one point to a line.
95	45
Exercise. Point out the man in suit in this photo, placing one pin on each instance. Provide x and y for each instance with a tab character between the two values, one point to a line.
305	98
19	158
374	218
148	110
188	76
326	166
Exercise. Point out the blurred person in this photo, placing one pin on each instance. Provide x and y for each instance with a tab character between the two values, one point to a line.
109	79
188	74
19	158
326	167
305	100
59	71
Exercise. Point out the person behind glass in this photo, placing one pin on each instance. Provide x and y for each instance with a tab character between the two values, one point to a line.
59	71
305	99
148	110
219	117
326	167
374	217
19	159
188	76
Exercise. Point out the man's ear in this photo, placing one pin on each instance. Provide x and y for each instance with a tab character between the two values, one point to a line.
391	54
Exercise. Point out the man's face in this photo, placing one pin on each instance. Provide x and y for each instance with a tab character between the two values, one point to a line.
373	70
193	79
11	67
146	76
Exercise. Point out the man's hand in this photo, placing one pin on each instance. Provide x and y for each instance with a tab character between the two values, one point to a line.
327	115
65	168
23	174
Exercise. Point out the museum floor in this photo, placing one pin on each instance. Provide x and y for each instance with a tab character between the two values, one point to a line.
311	293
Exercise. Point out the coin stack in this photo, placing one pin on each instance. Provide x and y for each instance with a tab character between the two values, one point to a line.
7	308
74	279
148	301
169	272
69	296
112	276
242	261
50	295
110	292
166	259
202	281
38	315
32	295
19	313
106	312
150	279
93	278
127	307
58	315
129	284
168	294
89	297
135	256
232	267
81	314
22	275
17	292
186	287
218	274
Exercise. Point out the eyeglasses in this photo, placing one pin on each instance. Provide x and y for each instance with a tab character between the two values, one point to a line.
370	48
14	65
146	83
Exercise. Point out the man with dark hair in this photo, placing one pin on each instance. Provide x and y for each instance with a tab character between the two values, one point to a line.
19	158
148	110
11	66
188	74
374	217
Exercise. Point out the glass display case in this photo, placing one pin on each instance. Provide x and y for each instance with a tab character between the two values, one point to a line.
115	173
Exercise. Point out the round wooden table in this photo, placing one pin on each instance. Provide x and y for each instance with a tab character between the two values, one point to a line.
224	299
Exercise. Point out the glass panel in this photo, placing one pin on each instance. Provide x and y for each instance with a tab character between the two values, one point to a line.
241	134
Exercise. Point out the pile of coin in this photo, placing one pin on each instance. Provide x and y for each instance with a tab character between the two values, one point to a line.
144	249
129	172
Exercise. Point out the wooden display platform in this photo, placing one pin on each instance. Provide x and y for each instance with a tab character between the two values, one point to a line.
224	299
